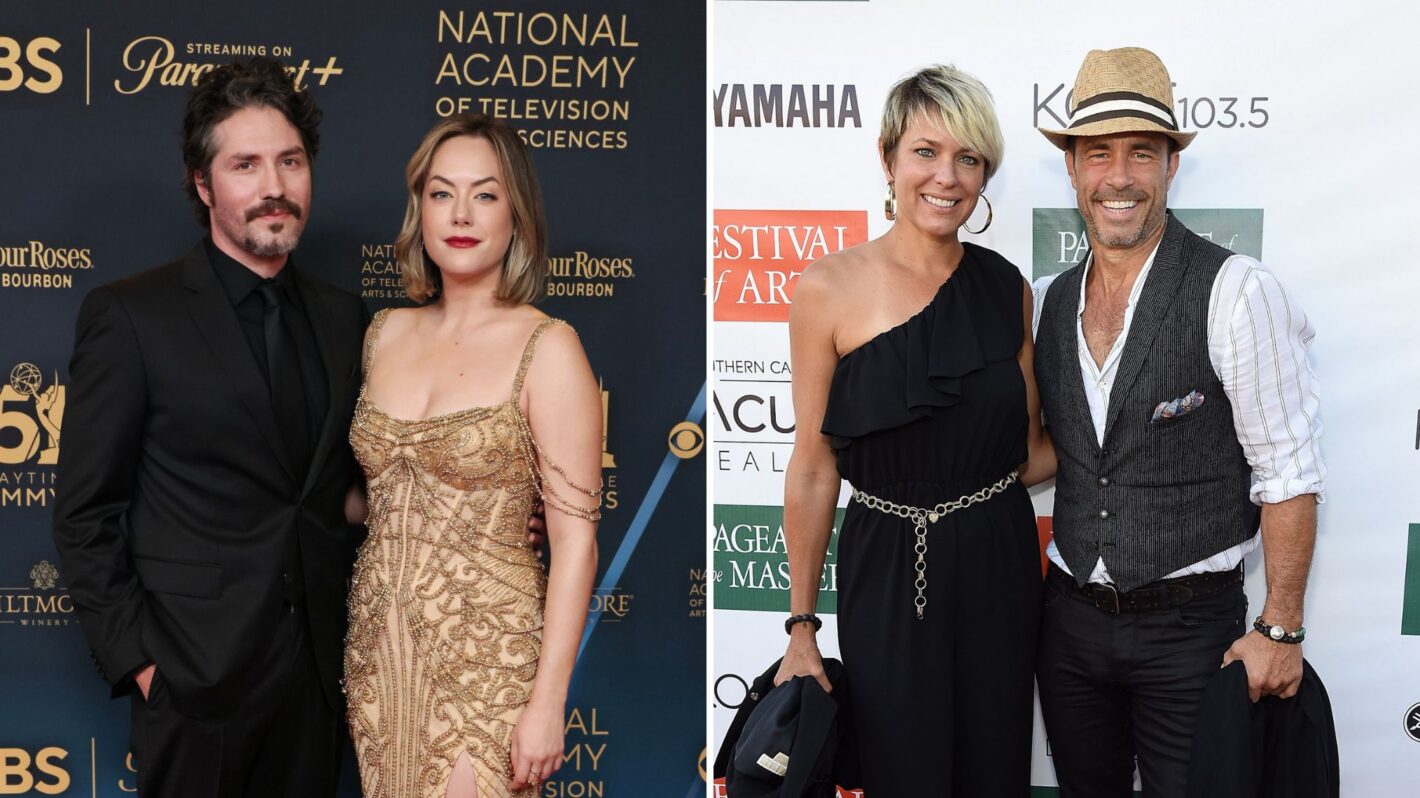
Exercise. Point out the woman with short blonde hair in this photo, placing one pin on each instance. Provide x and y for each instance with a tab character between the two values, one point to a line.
912	380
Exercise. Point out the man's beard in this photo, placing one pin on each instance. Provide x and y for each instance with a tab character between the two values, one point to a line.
1126	238
276	244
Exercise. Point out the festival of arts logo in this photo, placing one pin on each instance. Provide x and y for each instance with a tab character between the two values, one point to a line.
759	255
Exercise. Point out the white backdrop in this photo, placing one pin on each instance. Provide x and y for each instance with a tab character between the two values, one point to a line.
1320	145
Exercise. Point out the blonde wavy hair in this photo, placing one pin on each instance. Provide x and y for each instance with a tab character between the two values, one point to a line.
524	276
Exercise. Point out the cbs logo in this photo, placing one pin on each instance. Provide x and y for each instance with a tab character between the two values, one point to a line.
686	439
44	76
15	776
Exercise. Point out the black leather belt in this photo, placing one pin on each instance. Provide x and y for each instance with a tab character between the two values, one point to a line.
1161	595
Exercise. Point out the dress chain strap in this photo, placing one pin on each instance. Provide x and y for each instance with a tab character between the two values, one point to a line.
920	518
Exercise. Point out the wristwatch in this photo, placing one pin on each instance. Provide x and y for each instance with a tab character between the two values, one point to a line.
1277	634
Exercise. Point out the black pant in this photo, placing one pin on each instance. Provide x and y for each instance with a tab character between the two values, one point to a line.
283	741
1113	687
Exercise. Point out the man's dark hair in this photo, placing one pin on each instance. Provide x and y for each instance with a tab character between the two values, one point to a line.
250	82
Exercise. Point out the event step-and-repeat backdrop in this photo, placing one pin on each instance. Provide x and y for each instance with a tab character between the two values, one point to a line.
1304	158
607	93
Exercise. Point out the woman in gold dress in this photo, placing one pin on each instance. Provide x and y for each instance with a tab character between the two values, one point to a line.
475	406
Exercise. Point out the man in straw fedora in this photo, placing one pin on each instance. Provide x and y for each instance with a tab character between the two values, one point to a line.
1174	380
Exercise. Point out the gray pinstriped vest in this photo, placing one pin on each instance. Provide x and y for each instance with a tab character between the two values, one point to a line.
1156	496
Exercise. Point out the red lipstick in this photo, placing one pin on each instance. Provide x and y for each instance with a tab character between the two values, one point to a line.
461	242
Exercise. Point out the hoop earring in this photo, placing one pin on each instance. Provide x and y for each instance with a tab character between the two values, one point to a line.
890	203
990	214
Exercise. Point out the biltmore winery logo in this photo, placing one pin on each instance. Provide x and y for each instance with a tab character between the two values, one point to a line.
41	602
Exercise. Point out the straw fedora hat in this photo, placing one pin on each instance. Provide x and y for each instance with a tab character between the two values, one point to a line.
1120	91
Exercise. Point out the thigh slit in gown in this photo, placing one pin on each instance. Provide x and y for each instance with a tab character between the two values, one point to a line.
927	412
447	597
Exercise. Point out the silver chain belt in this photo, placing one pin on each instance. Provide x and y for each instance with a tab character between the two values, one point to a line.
920	518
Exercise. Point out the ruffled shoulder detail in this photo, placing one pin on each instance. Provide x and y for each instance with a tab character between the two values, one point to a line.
911	370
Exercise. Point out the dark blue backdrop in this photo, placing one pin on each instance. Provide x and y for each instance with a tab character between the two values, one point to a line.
609	93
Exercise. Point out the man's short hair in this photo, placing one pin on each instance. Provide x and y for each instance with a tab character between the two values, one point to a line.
960	101
247	82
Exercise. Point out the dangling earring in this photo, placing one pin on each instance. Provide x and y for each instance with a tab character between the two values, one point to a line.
990	214
890	203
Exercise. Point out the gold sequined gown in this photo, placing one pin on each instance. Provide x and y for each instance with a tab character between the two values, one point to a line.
447	597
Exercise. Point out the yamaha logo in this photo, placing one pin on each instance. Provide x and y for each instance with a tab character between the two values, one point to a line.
1412	723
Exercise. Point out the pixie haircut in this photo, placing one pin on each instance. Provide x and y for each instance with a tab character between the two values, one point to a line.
525	263
248	82
960	101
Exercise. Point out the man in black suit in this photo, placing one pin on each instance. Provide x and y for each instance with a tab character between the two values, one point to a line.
200	509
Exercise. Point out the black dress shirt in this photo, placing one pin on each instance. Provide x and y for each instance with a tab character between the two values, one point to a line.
240	284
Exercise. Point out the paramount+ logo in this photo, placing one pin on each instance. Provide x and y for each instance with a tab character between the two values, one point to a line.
759	256
157	61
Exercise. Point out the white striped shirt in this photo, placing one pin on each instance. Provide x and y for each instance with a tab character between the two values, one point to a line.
1257	344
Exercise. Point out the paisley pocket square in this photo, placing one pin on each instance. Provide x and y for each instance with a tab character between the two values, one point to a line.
1177	407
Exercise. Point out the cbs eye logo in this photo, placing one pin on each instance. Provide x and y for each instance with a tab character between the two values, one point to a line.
27	65
686	440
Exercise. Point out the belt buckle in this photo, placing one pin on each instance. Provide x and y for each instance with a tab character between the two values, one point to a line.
1106	598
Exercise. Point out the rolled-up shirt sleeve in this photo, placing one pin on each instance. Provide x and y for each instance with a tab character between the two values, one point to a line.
1258	339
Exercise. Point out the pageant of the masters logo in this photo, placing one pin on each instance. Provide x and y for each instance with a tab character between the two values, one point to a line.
1059	242
751	568
1410	615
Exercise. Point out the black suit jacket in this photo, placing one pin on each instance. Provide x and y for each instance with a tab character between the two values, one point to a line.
824	751
1276	748
175	500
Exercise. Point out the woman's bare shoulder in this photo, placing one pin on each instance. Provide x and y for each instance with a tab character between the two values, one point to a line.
836	276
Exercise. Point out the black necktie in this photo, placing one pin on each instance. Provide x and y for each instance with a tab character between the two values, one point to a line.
283	368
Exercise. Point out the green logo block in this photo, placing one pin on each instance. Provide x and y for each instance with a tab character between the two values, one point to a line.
752	564
1058	234
1410	615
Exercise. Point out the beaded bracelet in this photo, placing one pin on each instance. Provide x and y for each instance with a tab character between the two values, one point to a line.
807	617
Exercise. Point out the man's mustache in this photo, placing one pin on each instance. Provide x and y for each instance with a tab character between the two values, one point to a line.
273	205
